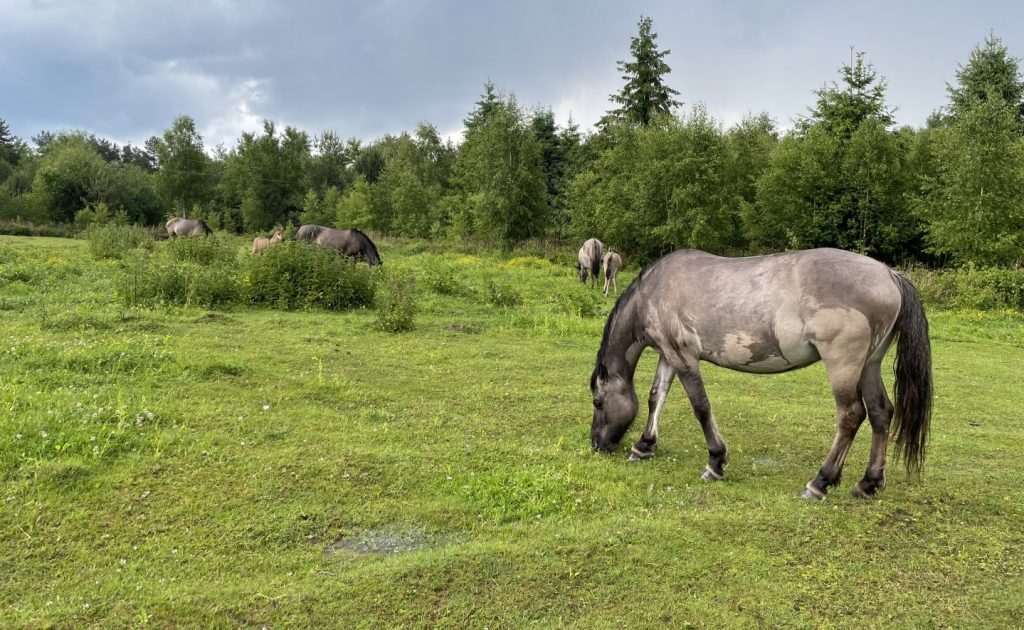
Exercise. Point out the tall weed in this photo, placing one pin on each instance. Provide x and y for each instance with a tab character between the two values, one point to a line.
114	241
397	312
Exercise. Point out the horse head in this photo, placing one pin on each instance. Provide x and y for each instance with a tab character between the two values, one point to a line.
615	407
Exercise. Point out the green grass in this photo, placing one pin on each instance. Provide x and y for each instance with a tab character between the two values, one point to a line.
179	467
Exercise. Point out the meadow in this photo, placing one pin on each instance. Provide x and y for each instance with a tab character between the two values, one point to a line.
176	465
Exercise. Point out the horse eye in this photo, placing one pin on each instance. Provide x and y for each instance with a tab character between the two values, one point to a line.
598	404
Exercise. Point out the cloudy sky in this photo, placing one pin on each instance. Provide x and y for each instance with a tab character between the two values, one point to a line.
124	68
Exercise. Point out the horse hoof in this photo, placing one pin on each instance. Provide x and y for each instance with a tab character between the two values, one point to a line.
636	456
812	495
710	475
860	493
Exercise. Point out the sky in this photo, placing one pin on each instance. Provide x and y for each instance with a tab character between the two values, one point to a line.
123	69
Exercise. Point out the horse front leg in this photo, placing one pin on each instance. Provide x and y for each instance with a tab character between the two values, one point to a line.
718	454
644	448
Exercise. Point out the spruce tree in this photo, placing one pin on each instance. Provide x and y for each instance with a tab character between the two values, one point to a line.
990	70
645	94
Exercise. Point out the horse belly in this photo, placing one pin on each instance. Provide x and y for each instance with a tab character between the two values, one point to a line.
745	352
779	346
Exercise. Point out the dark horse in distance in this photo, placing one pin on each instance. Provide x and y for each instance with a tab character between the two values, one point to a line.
769	314
350	242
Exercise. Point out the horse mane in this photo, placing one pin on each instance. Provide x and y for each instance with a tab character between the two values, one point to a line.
620	305
367	243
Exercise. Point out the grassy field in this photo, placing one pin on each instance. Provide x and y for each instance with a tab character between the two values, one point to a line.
173	466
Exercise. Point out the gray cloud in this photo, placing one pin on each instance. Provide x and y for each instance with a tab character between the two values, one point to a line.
124	69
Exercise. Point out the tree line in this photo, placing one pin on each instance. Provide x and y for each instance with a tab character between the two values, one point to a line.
653	177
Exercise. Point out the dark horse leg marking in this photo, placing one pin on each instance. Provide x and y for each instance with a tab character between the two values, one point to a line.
644	448
844	368
880	412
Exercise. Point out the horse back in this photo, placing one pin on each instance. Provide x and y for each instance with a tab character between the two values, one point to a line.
767	313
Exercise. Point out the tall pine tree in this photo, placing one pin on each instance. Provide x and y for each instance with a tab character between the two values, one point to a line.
990	71
645	94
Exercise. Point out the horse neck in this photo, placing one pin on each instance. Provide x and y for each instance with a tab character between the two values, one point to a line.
623	350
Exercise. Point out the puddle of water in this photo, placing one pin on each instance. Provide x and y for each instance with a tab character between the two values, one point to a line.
384	542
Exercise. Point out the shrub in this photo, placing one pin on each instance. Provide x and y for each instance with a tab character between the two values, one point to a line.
148	280
97	215
579	301
502	295
115	241
24	228
443	278
970	287
397	313
292	275
205	250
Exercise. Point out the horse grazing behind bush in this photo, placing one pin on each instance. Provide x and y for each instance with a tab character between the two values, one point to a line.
179	226
261	242
351	242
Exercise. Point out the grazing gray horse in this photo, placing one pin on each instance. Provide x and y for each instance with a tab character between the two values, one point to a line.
769	314
589	261
178	226
611	263
349	242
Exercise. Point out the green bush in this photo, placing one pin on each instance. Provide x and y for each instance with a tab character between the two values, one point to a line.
397	312
502	295
442	278
970	287
148	280
205	250
115	241
97	215
580	301
24	228
293	275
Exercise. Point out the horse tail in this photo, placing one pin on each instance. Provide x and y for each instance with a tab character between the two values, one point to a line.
369	249
595	266
913	388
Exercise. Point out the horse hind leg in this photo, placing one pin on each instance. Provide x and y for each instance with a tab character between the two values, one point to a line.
880	412
844	371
